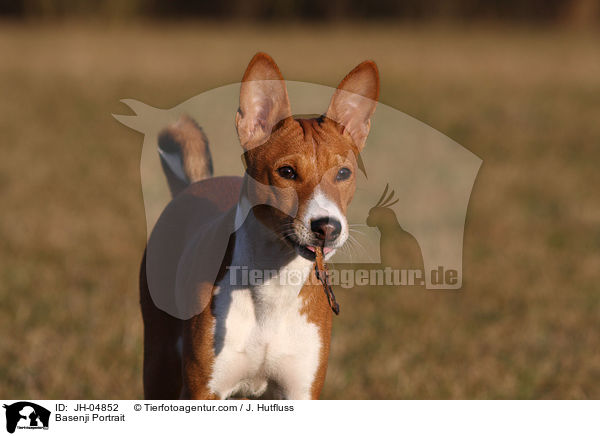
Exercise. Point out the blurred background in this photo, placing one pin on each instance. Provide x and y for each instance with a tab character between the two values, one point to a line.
572	12
515	82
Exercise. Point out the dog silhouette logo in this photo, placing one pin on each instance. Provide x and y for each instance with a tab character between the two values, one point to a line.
26	415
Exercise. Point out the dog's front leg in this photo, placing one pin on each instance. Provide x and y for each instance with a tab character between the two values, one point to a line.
300	377
197	358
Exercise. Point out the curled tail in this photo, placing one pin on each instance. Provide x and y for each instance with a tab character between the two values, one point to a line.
184	154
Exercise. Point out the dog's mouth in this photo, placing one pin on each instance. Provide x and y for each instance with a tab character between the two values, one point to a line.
305	243
326	250
307	251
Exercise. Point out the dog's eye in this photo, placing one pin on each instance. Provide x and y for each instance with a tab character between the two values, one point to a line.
343	174
287	172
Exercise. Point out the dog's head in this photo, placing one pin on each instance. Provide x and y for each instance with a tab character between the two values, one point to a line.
313	160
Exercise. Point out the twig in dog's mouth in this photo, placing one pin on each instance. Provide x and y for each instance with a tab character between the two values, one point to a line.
323	276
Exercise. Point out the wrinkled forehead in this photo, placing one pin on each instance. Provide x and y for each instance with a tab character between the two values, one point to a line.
319	140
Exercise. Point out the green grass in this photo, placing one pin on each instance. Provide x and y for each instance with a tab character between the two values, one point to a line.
72	225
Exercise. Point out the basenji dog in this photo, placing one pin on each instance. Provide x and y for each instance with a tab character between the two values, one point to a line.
207	333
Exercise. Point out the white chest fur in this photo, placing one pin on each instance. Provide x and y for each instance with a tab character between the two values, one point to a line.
262	340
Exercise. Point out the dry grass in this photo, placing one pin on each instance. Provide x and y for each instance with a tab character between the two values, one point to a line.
72	224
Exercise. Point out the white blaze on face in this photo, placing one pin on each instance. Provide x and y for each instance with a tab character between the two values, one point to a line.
320	206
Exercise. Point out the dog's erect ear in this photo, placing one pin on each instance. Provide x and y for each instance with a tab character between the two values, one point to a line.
263	101
354	101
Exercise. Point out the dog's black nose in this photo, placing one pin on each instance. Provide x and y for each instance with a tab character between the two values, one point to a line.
326	229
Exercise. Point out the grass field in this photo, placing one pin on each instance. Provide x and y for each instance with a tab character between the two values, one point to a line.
72	224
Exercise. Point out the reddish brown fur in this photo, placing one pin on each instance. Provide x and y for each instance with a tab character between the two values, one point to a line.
316	149
316	307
